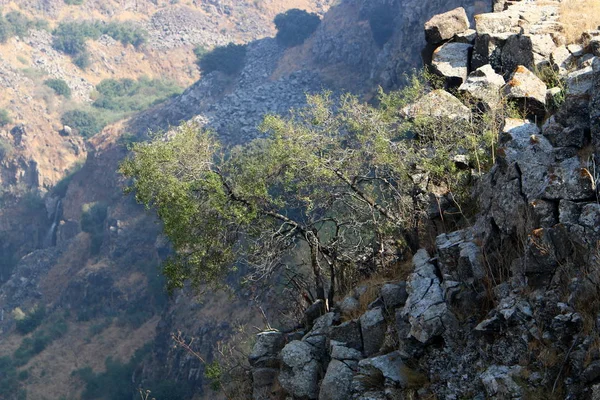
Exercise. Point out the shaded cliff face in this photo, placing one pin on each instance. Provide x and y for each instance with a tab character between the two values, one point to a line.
99	274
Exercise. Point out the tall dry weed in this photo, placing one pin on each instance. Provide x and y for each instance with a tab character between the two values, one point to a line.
578	16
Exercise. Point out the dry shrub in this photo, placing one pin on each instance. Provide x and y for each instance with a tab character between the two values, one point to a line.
578	16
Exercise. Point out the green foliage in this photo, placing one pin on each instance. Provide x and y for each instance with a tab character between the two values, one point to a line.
70	37
127	95
93	217
214	373
295	26
227	59
116	100
126	33
32	346
61	187
74	2
6	148
59	86
115	383
15	23
200	51
5	118
31	320
85	122
83	60
338	175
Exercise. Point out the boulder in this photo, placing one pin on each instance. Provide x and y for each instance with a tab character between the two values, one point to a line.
580	82
349	305
561	60
498	382
265	352
349	334
451	61
484	84
487	50
343	353
426	308
528	91
300	371
497	23
518	50
373	327
388	369
337	383
445	26
394	295
438	104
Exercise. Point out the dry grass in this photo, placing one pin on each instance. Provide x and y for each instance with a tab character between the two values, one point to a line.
578	16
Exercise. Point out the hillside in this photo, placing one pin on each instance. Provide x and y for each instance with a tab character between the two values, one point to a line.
84	311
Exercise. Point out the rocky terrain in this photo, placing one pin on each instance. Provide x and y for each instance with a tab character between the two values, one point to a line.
507	308
88	255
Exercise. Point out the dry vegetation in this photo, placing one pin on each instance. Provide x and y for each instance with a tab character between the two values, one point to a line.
578	16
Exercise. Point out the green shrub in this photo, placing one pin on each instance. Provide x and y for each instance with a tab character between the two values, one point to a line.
5	119
227	59
126	33
74	2
92	221
127	95
6	30
32	346
6	148
85	122
295	26
70	37
381	20
59	86
83	60
31	321
115	383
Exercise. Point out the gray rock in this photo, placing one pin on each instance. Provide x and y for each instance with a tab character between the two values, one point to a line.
498	382
497	23
561	60
425	308
390	367
568	212
265	352
300	371
349	305
484	84
438	104
487	50
348	333
592	372
337	383
343	353
518	50
373	327
445	26
576	49
394	295
590	216
451	61
580	82
528	91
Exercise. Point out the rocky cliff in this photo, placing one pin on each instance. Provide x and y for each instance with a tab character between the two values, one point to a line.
507	308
